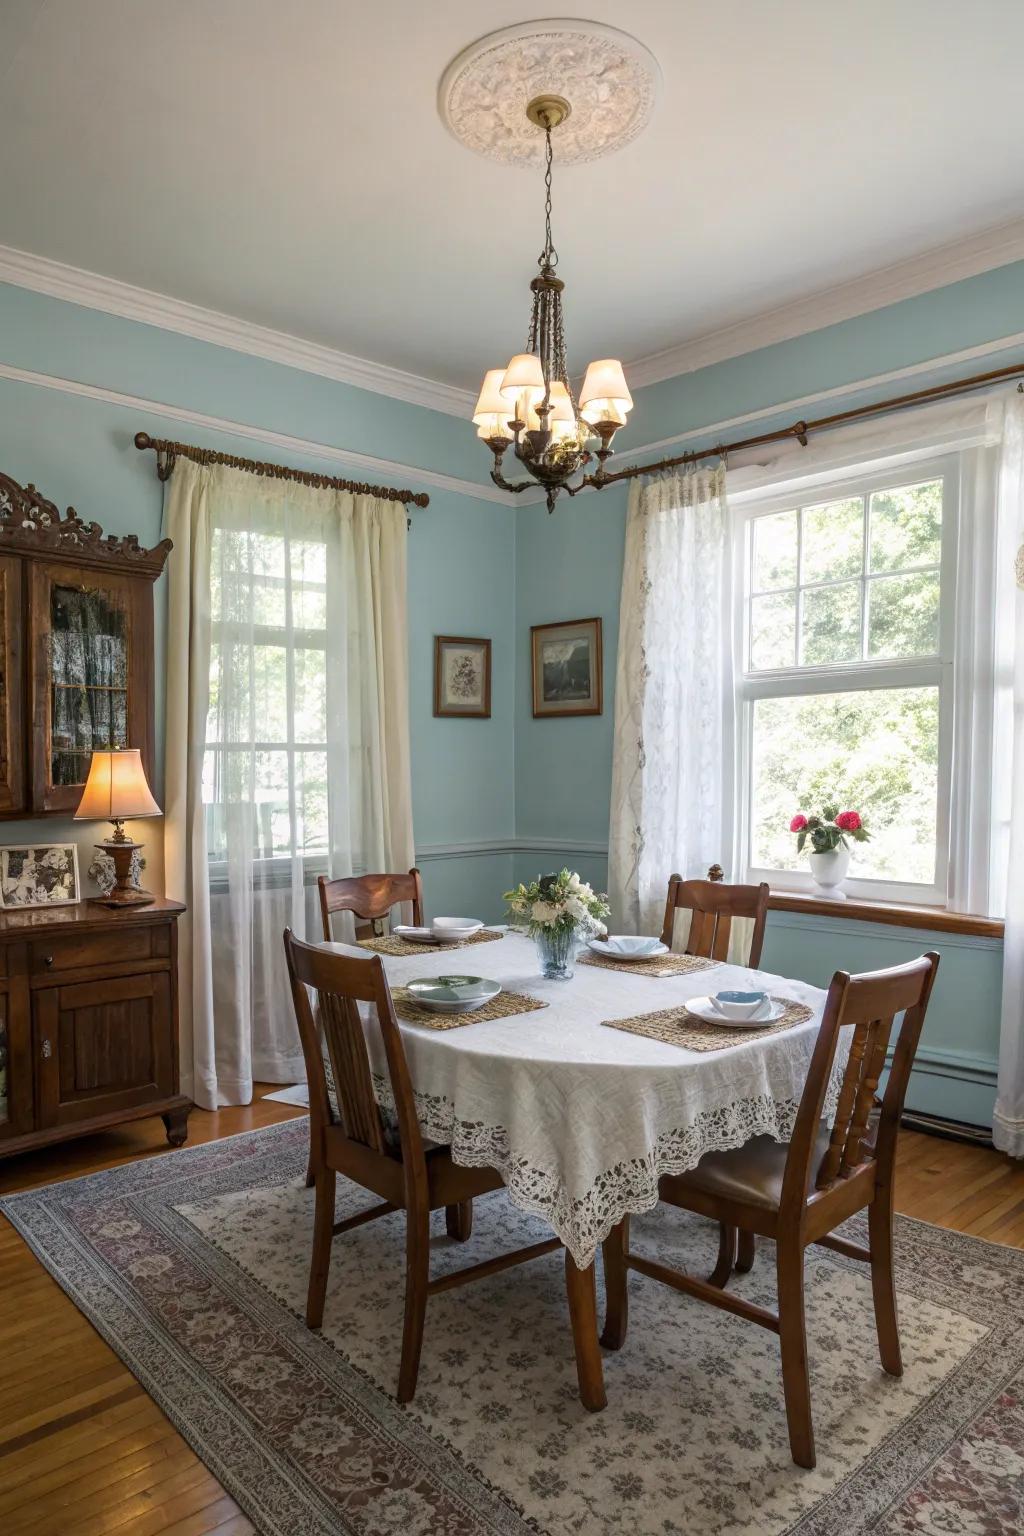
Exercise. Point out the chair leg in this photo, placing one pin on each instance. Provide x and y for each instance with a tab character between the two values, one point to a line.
323	1235
458	1220
883	1284
726	1261
310	1173
747	1253
793	1339
579	1285
417	1267
616	1314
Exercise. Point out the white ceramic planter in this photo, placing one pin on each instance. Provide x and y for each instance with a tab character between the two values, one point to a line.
829	870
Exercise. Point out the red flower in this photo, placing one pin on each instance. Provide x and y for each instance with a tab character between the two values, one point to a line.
799	822
849	821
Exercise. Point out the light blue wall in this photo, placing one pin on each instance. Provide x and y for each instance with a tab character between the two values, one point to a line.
79	450
534	792
569	566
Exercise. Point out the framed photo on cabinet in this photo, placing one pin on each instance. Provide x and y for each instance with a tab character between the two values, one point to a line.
39	875
566	661
462	677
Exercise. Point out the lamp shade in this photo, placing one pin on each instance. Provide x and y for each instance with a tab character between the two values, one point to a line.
605	390
491	402
116	788
523	376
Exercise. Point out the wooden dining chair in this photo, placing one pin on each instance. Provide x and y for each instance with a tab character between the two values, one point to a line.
713	905
799	1192
371	898
407	1172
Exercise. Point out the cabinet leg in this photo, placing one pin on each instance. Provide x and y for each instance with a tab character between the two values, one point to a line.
176	1125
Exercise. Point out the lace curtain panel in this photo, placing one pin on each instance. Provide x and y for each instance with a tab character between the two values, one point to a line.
287	743
671	771
1008	798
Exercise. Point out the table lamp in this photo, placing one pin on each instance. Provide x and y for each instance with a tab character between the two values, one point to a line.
116	788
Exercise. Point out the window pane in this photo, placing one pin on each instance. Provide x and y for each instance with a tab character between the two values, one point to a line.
830	624
774	552
773	630
833	540
311	696
874	751
903	615
906	527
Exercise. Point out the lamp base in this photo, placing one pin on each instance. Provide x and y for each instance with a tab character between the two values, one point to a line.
123	894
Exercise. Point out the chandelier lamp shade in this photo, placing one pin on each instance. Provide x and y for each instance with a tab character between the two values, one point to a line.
529	405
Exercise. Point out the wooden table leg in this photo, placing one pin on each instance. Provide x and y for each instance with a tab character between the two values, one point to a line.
579	1284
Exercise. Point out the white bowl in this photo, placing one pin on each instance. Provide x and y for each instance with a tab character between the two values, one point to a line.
629	946
450	929
452	994
741	1004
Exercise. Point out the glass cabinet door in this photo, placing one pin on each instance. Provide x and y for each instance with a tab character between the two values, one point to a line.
94	649
12	741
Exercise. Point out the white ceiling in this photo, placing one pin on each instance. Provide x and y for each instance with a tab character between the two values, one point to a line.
284	163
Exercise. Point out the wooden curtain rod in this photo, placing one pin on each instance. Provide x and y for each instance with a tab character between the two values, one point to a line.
167	451
802	429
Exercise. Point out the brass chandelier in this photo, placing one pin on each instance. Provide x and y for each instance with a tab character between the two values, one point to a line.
530	405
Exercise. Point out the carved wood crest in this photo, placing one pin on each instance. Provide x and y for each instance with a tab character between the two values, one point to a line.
31	525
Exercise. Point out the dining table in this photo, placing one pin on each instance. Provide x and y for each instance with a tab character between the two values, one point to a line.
582	1118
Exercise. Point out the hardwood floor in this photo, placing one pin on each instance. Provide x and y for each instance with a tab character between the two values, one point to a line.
84	1451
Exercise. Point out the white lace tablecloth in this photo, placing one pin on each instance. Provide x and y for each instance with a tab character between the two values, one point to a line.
582	1121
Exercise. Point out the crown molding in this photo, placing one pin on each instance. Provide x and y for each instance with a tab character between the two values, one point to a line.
93	291
387	469
889	285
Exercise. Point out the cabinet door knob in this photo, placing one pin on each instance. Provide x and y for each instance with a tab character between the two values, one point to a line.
47	1049
47	959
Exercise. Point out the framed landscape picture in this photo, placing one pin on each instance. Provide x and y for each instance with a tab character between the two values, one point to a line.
462	677
39	875
567	668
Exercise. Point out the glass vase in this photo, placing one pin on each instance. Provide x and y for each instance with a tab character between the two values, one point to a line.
556	951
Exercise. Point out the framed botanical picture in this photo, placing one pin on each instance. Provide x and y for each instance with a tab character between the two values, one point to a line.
462	677
39	875
567	668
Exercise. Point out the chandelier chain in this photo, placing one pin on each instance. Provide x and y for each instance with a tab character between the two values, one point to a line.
549	256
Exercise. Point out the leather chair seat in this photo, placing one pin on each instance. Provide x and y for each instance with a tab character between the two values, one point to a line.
751	1174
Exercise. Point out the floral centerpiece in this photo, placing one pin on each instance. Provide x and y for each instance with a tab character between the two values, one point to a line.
829	854
558	911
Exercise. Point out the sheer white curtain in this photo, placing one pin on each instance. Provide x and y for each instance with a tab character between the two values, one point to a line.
287	743
672	762
1008	797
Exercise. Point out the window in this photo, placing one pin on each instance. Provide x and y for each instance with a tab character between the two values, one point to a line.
265	774
844	675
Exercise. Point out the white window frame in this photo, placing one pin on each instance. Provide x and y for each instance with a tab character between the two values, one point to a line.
850	676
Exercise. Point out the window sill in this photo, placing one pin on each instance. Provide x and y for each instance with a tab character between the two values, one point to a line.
891	913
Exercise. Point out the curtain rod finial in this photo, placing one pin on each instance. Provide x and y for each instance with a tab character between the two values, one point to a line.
143	440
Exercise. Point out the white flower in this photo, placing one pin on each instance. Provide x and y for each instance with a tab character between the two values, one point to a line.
577	909
576	884
543	912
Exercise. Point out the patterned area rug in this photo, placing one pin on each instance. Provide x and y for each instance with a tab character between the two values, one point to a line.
193	1266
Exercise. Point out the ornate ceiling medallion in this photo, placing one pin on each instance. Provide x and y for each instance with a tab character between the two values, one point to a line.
609	78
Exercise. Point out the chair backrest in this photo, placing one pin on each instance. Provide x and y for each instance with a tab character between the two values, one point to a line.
340	983
868	1004
370	897
713	905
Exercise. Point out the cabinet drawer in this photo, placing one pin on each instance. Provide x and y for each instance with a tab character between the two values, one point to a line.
133	948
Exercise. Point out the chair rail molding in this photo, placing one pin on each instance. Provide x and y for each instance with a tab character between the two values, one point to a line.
388	469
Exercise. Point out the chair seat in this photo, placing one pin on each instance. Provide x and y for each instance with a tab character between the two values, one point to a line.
749	1175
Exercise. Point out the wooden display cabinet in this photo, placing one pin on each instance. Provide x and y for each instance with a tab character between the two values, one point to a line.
83	680
88	995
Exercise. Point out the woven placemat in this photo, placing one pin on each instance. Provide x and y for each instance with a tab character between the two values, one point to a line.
500	1007
661	965
388	944
677	1026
